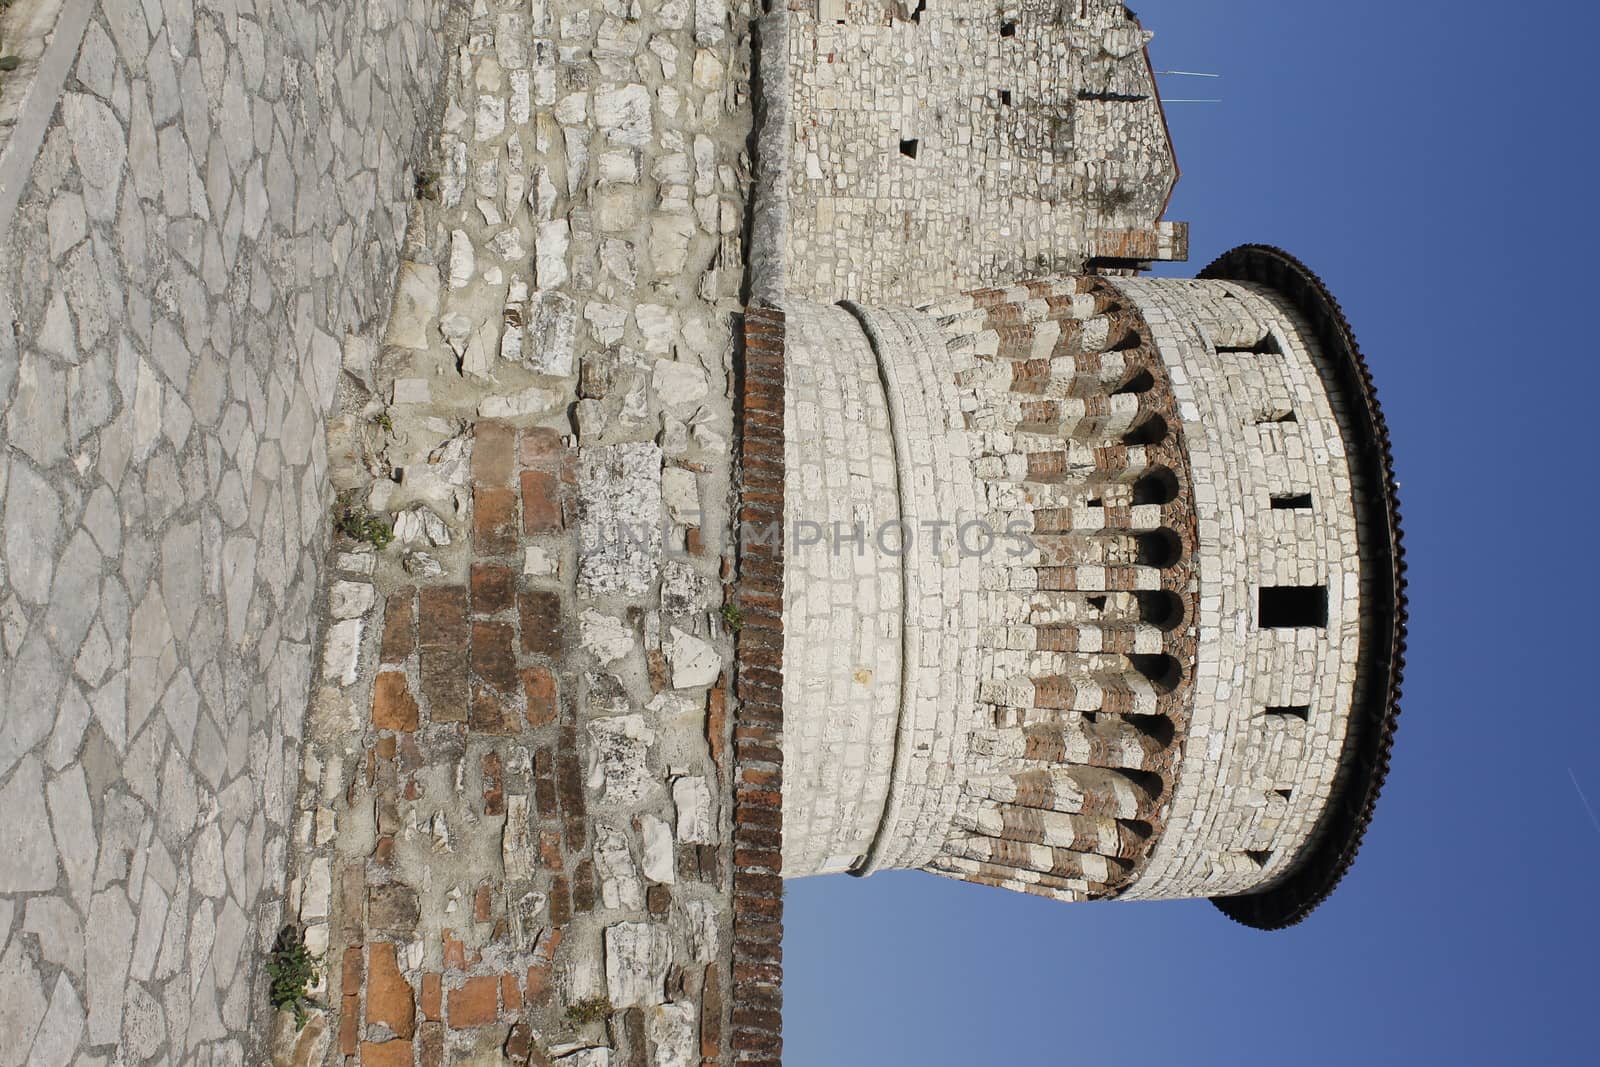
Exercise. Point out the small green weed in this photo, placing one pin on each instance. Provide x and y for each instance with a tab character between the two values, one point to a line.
592	1010
357	523
732	617
293	970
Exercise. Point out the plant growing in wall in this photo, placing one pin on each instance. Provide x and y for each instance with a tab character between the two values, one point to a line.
591	1010
292	970
356	522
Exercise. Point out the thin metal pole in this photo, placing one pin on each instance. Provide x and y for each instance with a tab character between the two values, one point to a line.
1189	73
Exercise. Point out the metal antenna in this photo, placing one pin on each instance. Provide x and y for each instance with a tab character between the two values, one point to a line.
1189	73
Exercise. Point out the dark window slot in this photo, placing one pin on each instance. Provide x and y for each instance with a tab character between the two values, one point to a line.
1292	607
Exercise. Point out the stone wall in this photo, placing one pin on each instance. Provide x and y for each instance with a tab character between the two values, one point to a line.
202	205
514	823
908	156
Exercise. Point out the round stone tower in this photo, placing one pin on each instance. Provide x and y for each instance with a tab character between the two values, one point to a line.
1091	588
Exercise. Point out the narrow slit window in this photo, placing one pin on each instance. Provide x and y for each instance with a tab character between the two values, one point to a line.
909	148
1292	711
1293	607
1267	346
1292	502
1005	97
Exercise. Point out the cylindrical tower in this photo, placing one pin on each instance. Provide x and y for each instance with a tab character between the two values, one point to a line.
1092	588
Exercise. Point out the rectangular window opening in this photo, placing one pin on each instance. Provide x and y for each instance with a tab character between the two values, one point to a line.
1008	28
909	148
1005	97
1293	711
1296	502
1267	346
1293	607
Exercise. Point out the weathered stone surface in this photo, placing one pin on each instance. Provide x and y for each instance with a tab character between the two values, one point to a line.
25	837
605	637
619	768
671	1030
22	1005
619	878
695	662
660	859
637	958
619	519
696	819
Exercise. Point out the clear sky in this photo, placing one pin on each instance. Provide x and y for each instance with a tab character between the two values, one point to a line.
1432	161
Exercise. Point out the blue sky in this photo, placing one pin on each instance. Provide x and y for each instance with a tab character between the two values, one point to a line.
1431	161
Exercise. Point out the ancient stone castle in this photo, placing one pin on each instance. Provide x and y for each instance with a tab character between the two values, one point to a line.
491	487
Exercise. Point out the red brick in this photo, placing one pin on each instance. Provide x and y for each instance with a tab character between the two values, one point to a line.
539	988
717	722
491	713
350	1022
510	995
550	850
541	622
494	521
393	706
398	625
386	1054
350	975
541	502
711	1013
432	1051
658	898
493	453
432	999
483	903
442	616
455	952
444	682
494	793
542	450
389	999
494	588
494	659
519	1043
560	902
583	890
477	1003
539	687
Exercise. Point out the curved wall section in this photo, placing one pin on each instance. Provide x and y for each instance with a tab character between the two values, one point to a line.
1279	586
842	600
